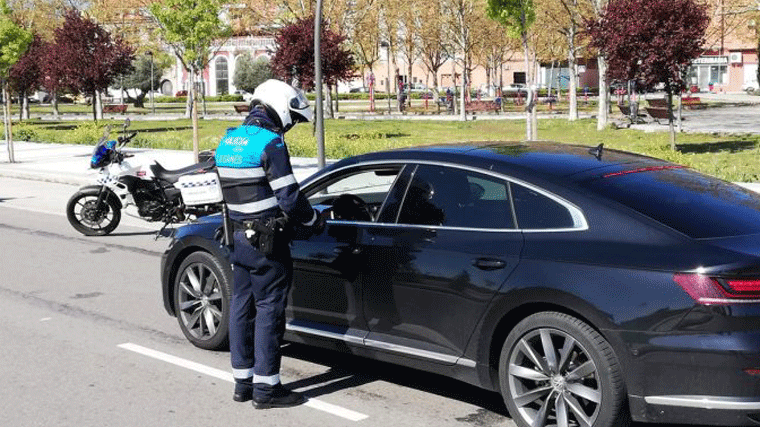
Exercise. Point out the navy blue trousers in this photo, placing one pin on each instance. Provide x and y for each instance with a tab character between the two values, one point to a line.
257	315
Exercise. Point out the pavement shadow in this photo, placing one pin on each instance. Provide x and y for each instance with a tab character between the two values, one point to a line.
716	147
348	371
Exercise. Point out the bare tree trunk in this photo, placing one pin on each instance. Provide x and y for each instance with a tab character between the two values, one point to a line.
573	68
98	105
54	104
462	99
529	85
337	98
190	95
330	112
670	121
7	122
602	116
194	108
24	106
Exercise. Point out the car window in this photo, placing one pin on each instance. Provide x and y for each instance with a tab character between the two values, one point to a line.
452	197
537	211
697	205
356	195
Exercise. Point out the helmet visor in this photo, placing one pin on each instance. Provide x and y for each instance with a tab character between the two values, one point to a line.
299	102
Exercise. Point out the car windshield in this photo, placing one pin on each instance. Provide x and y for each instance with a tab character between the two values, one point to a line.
697	205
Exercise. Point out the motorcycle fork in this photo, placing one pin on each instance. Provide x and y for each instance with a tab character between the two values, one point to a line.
102	194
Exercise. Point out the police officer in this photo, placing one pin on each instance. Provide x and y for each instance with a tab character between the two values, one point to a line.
261	193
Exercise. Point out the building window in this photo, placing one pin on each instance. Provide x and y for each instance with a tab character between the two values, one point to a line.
222	76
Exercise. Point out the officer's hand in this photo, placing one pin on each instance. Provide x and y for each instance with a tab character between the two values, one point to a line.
319	225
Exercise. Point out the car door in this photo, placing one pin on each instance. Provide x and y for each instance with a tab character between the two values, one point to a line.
432	274
326	295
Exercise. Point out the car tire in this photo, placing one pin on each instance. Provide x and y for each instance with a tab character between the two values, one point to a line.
556	369
202	300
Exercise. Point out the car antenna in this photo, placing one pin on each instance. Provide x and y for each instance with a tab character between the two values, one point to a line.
597	151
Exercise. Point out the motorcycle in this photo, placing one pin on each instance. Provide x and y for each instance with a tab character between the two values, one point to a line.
95	210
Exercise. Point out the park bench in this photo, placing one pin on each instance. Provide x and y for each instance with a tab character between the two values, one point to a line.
626	111
115	108
692	103
242	108
658	113
476	106
657	103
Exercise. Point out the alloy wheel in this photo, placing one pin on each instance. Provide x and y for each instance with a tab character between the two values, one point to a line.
553	380
200	301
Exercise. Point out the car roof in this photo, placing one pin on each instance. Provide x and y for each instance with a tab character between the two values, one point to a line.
544	158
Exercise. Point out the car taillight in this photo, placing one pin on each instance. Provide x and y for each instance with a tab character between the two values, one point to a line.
709	290
744	285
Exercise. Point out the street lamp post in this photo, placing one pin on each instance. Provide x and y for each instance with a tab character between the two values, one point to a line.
319	119
152	104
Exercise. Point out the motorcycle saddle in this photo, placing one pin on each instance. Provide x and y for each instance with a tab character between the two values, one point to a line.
173	175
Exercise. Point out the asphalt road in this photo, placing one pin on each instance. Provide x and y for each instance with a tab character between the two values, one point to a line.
86	342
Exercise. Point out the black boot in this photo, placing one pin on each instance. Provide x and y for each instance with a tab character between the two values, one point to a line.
280	397
243	390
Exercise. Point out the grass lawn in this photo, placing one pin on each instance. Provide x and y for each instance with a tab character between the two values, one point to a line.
731	157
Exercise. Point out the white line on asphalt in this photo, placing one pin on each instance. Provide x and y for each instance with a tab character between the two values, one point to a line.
227	376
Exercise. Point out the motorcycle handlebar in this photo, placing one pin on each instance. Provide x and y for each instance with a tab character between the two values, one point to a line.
123	140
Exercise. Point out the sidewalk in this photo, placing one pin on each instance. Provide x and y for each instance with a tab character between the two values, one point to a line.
70	164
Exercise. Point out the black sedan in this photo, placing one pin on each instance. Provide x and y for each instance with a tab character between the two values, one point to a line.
588	286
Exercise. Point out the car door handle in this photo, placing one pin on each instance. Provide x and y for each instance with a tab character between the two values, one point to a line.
489	263
355	251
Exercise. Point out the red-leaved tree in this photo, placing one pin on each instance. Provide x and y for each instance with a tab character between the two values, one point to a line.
25	74
88	59
294	57
650	41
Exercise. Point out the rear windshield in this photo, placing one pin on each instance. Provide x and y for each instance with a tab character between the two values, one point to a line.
697	205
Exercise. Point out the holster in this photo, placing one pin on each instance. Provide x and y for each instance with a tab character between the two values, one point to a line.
266	234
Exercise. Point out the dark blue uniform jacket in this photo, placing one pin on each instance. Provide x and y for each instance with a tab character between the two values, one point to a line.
256	175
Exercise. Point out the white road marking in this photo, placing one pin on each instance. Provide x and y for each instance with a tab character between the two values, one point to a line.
45	319
227	376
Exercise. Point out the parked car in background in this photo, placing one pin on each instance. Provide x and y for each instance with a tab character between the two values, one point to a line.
587	286
514	89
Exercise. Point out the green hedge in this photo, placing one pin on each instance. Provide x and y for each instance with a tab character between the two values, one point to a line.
183	99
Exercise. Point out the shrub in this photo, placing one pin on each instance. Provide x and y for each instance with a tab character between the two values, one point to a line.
85	133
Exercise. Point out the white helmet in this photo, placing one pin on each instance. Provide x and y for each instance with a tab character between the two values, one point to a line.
283	102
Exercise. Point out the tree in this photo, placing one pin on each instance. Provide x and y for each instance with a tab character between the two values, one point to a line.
192	28
140	79
90	59
25	75
14	41
434	46
294	57
40	16
518	16
250	73
657	47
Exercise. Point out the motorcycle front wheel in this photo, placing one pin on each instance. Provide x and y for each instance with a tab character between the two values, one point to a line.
91	218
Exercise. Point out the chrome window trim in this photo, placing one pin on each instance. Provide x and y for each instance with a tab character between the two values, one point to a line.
707	402
575	212
409	351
